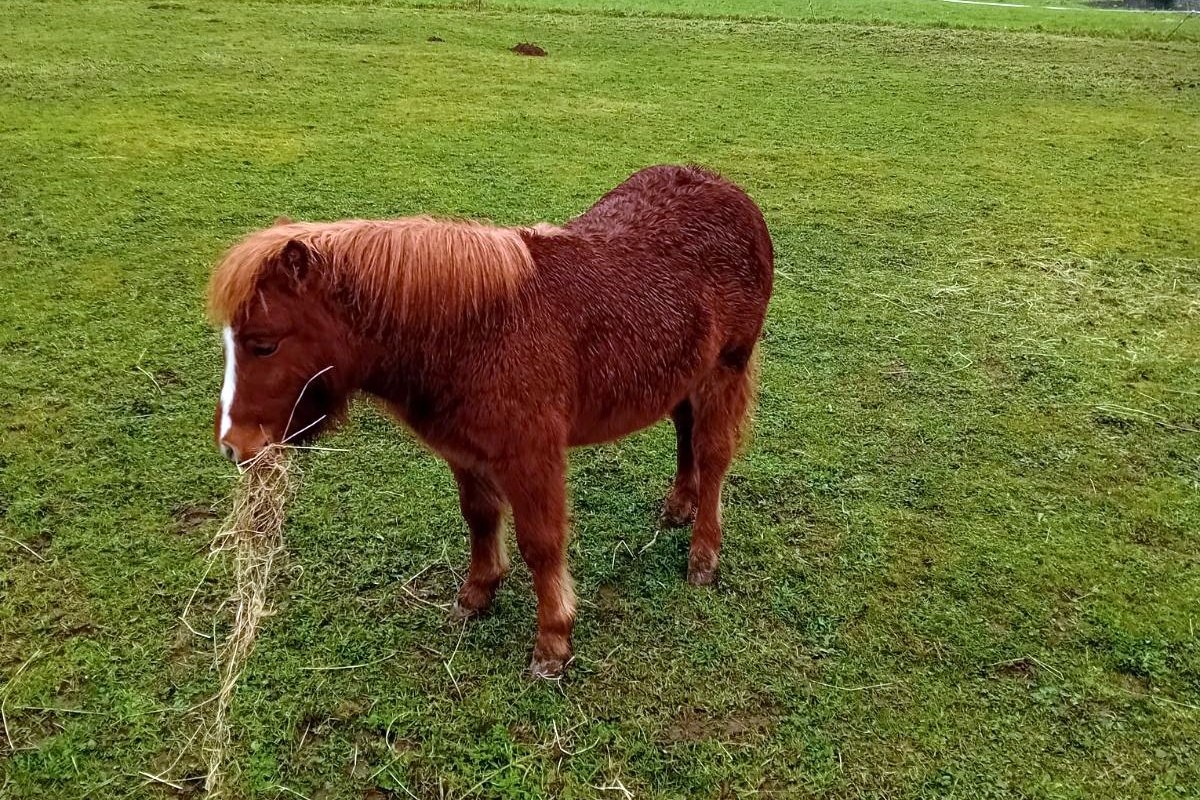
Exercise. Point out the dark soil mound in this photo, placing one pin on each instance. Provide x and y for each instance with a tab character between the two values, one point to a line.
528	49
435	39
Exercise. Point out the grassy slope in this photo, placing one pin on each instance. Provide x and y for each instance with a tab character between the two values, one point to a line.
960	492
1071	17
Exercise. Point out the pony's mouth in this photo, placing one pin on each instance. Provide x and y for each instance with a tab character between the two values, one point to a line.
243	445
313	403
306	432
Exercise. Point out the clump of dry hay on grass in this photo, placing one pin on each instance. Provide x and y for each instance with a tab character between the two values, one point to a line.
252	536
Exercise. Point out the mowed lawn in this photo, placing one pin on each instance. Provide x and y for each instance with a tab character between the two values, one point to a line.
961	550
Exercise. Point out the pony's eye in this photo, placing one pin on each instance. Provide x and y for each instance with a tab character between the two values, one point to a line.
263	349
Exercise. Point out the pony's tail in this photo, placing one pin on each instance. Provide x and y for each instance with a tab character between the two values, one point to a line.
744	431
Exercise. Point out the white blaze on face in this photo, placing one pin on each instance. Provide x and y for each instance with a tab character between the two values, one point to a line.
230	385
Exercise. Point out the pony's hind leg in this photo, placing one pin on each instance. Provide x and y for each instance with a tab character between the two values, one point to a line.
482	507
680	506
719	405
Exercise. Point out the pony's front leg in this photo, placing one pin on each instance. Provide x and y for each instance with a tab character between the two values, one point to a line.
482	507
537	490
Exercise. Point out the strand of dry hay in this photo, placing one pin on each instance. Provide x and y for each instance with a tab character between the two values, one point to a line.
252	535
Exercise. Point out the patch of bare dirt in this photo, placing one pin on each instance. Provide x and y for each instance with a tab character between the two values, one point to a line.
38	545
1134	684
995	368
695	725
608	596
315	726
192	517
528	49
1151	532
379	793
1019	668
897	371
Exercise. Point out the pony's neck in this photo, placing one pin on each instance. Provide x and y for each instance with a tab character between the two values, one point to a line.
405	365
419	294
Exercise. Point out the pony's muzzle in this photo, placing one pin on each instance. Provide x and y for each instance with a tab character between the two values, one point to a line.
240	446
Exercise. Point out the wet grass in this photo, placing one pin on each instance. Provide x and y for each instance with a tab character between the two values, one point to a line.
1073	17
961	553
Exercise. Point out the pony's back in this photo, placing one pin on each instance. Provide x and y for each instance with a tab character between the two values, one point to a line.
686	216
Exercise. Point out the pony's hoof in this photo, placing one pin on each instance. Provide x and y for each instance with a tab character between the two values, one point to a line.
550	659
701	577
678	512
547	669
473	600
461	613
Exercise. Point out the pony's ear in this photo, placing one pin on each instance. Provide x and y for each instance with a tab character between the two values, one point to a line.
295	260
284	220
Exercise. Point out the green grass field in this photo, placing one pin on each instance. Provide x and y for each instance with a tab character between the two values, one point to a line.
961	552
1057	16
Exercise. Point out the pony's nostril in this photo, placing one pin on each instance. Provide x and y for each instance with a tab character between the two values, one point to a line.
229	452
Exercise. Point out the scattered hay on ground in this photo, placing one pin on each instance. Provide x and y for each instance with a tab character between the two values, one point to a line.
252	535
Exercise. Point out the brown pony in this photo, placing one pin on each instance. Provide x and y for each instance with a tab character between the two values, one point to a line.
503	347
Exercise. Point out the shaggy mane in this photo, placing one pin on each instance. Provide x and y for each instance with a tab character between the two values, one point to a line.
415	269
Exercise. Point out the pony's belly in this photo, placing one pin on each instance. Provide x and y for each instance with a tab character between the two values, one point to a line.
615	423
620	395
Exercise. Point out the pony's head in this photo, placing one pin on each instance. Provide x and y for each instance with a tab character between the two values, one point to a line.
298	303
287	348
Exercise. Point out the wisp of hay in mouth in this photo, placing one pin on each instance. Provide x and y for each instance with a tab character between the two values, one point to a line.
252	536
